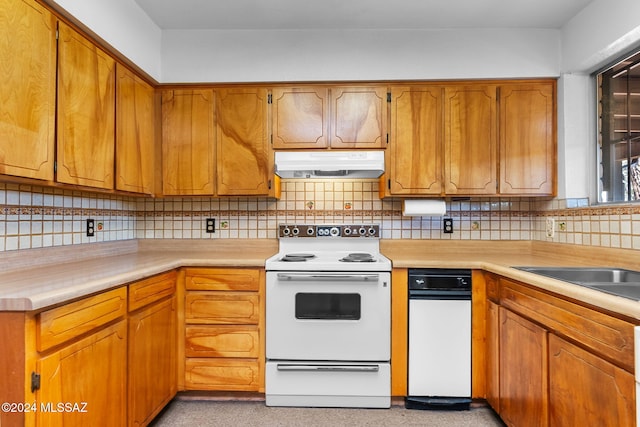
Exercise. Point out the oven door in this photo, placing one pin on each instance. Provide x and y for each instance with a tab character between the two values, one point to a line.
342	316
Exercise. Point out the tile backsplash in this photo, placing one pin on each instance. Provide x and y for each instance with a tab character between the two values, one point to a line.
32	217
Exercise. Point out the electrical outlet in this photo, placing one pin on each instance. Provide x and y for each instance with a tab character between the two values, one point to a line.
550	227
91	227
447	225
210	225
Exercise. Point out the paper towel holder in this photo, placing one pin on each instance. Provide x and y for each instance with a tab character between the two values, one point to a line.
424	207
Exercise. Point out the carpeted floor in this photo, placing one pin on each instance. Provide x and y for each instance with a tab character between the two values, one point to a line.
251	413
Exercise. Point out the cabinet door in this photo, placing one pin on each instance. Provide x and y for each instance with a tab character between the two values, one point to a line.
188	144
415	158
359	117
586	390
300	117
244	160
152	361
528	139
523	372
86	112
27	89
470	140
135	133
90	373
493	355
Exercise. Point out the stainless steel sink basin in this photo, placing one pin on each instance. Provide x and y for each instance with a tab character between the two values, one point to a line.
616	281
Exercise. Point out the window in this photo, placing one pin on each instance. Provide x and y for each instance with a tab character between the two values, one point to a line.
619	131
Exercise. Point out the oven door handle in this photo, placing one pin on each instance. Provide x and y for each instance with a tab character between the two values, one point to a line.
328	368
343	277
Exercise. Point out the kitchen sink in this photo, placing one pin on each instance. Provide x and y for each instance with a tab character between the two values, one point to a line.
616	281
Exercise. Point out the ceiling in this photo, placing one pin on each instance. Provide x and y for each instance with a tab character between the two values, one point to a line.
360	14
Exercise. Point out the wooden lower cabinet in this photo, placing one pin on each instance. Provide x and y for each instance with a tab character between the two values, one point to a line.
587	390
223	341
152	348
555	362
88	378
523	371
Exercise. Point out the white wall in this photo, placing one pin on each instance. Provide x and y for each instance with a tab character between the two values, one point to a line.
599	34
123	25
311	55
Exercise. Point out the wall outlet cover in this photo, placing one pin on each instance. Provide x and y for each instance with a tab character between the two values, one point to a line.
550	227
447	225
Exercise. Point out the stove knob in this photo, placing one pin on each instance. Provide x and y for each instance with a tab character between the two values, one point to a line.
310	231
335	231
347	231
295	231
286	231
362	231
371	231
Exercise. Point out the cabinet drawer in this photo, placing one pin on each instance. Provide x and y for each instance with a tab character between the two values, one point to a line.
63	323
235	308
222	279
610	337
222	341
150	290
222	374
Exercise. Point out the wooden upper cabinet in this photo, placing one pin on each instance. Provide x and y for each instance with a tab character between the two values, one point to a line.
470	140
415	150
86	112
359	117
188	142
300	117
243	149
135	133
528	139
27	89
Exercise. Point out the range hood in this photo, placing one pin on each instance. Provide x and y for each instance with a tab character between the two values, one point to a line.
329	164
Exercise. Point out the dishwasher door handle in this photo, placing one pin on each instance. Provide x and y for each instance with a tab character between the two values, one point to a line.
327	368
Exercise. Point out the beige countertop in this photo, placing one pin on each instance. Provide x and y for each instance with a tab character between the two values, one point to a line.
74	272
38	278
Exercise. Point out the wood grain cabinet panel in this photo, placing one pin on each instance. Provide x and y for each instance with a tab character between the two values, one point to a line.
27	89
188	142
223	279
71	320
359	117
223	341
223	374
222	307
86	112
135	133
92	370
493	356
244	160
586	390
152	362
528	159
523	372
415	150
470	140
300	117
148	291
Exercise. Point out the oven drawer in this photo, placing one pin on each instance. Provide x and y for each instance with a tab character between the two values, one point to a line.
328	384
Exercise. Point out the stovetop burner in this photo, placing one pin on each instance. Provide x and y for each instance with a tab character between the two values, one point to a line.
300	257
358	257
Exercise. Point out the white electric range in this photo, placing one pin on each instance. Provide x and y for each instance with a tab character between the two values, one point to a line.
328	318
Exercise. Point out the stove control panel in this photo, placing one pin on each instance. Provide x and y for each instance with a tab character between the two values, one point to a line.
328	231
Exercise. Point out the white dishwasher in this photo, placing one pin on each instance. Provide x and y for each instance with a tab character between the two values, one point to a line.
439	365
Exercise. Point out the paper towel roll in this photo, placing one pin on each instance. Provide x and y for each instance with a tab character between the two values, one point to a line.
423	207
